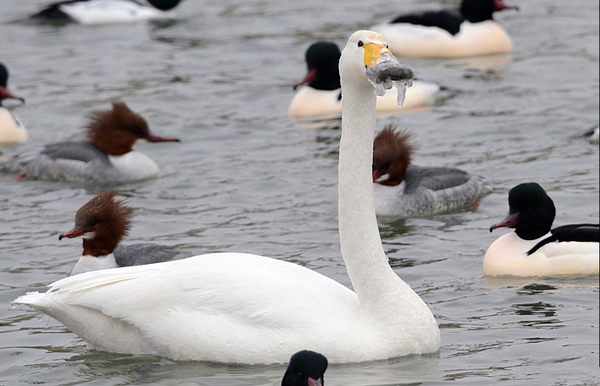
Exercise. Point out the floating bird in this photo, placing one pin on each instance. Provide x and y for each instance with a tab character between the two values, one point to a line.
106	157
321	95
106	11
403	189
534	249
102	223
242	308
306	368
11	128
469	31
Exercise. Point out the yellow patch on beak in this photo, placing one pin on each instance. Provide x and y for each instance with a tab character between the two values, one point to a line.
374	53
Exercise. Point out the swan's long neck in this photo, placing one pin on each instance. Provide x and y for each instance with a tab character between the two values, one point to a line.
363	253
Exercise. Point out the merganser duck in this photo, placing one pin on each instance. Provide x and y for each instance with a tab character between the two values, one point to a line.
102	223
106	11
403	189
11	128
306	368
321	97
107	157
534	249
469	31
242	308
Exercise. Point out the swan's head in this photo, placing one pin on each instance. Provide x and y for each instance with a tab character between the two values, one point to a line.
367	61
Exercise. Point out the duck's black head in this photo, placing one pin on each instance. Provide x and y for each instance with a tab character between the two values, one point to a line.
306	368
531	211
322	60
477	11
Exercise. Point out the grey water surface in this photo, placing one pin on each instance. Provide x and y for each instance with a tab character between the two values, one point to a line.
247	178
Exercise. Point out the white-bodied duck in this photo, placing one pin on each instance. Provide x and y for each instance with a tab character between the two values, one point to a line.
468	31
534	248
11	128
102	223
320	96
406	190
106	11
107	157
242	308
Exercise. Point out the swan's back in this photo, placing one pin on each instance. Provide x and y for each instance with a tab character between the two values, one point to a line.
203	307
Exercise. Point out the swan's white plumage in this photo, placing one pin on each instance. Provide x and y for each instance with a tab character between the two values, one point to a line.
312	104
243	308
417	41
507	256
11	128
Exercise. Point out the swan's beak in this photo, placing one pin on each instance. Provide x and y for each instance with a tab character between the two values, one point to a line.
509	221
384	71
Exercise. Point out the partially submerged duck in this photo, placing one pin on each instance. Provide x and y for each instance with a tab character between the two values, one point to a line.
468	31
534	248
11	128
106	11
107	157
319	94
406	190
102	223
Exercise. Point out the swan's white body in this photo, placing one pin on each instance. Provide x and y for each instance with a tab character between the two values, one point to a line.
417	41
507	257
112	11
11	128
312	104
242	308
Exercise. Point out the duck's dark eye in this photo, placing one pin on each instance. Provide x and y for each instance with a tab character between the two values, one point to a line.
387	46
360	43
139	132
93	223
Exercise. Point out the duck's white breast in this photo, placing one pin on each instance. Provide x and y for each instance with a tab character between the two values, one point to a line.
134	166
11	128
506	256
418	41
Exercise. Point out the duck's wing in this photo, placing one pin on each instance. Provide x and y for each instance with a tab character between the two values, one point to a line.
147	253
444	19
573	232
434	178
76	151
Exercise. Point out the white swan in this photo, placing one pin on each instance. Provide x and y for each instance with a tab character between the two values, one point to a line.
241	308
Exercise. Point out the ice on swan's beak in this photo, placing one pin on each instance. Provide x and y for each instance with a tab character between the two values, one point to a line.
384	71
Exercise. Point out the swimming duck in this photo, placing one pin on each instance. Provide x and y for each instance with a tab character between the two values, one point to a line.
469	31
11	128
321	95
106	157
403	189
106	11
306	368
242	308
534	249
102	223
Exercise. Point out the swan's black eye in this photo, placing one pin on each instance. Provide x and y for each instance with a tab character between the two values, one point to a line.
360	43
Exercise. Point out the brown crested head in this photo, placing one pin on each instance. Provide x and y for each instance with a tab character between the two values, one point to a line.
102	223
392	154
116	131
